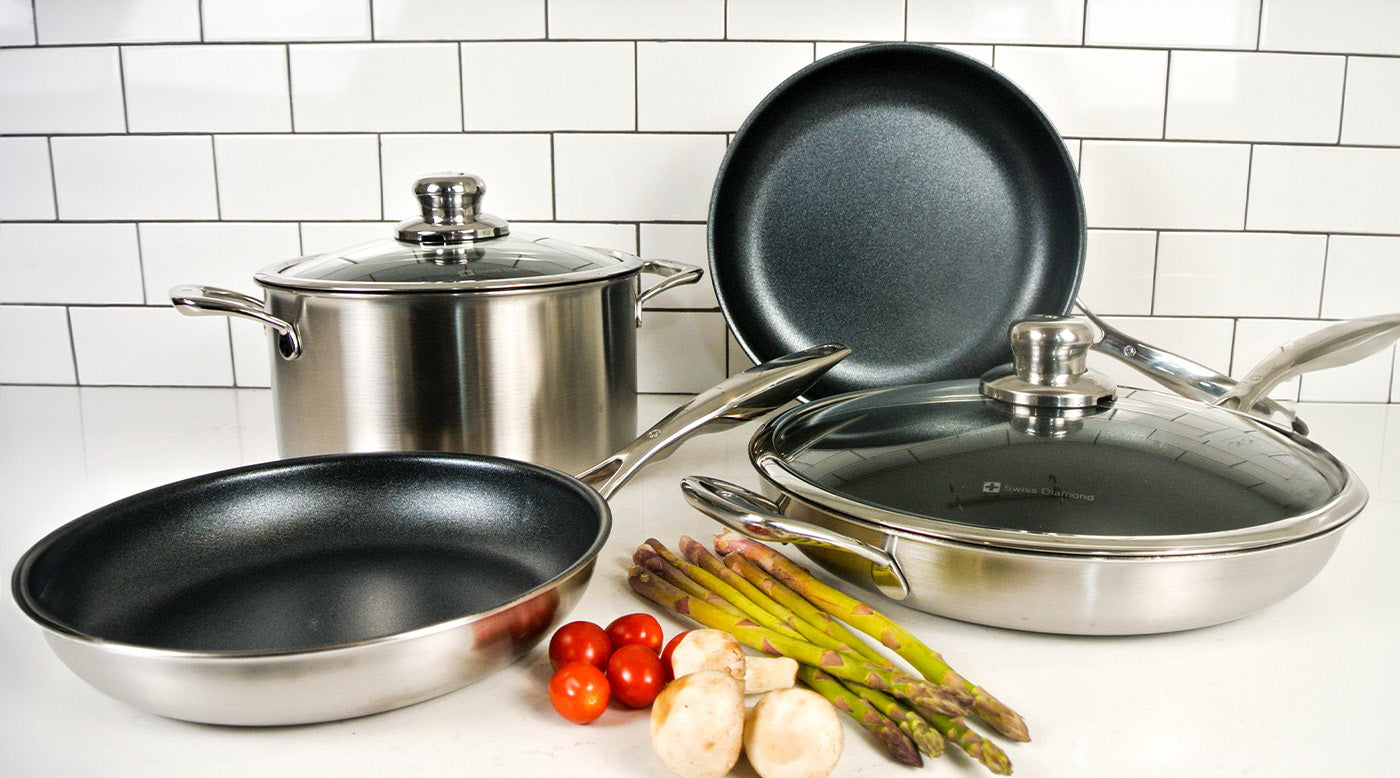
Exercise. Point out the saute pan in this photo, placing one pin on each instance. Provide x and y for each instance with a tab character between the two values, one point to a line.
328	587
902	199
1044	498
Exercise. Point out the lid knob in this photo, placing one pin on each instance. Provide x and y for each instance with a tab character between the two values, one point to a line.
451	204
1051	366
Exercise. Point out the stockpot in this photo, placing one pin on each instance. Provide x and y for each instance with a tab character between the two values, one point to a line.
454	335
1044	498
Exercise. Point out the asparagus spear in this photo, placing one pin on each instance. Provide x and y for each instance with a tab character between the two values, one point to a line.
701	583
899	745
890	634
647	557
983	750
925	697
925	737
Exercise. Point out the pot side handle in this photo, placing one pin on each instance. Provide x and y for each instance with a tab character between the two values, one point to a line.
673	274
197	300
757	517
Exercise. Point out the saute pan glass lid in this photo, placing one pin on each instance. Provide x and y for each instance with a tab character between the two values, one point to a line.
902	199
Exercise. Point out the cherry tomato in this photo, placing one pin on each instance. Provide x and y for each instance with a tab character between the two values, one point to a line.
579	692
639	628
636	675
580	641
668	651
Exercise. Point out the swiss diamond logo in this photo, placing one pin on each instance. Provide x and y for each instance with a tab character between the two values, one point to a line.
991	487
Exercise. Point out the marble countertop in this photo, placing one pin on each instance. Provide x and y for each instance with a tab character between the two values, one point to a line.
1303	688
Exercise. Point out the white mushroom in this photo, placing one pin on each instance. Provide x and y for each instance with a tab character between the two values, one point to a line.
708	649
697	724
793	733
769	673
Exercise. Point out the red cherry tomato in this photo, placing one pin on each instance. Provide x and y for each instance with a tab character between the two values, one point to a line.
580	641
636	675
668	651
636	628
579	692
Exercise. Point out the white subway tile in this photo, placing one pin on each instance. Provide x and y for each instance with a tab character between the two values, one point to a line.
150	346
1343	26
1197	24
1363	276
16	23
515	167
458	19
636	19
1171	185
62	90
1092	92
224	254
69	263
323	237
687	243
1324	188
362	87
34	345
1367	380
617	236
709	86
116	21
135	177
996	21
279	20
1239	274
1118	272
252	355
636	176
28	179
1219	95
680	352
1372	112
549	86
1205	341
876	20
292	177
236	88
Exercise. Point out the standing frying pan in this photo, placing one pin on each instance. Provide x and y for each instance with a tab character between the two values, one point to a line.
904	200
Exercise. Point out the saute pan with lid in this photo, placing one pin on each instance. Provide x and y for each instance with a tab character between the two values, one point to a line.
334	586
1044	498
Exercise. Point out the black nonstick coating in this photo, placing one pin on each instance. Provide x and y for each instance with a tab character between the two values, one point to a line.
904	200
314	552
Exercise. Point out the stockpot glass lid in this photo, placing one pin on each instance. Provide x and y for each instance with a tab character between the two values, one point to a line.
453	247
1135	472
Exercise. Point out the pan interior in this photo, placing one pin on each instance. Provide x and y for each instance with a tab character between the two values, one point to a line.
312	553
903	200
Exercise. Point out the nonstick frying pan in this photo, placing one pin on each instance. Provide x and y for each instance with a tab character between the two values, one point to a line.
327	587
902	199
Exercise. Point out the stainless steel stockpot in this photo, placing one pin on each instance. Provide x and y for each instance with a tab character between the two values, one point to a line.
455	335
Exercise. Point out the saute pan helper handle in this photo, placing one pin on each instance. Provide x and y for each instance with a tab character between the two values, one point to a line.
757	517
1339	344
195	300
742	397
673	274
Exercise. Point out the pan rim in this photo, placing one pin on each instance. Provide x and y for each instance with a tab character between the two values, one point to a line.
36	612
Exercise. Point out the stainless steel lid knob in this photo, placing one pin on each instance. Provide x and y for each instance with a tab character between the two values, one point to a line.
1050	369
451	204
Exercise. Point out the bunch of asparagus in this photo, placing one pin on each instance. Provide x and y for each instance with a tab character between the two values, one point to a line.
776	606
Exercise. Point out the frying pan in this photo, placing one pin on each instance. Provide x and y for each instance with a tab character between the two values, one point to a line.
328	587
902	199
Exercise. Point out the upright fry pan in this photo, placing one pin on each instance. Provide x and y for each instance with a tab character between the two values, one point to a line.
327	587
902	199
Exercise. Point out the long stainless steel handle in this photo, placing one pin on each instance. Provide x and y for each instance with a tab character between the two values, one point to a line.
197	300
742	397
1187	378
1339	344
754	516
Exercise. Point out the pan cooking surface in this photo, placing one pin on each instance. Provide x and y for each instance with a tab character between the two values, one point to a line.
901	199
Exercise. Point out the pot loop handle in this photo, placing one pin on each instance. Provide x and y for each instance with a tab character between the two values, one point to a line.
197	300
673	274
757	517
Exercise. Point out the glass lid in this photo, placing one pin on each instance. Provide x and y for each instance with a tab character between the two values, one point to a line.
454	246
1137	472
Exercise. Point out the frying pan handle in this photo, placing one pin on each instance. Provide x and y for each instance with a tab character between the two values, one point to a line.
741	397
757	517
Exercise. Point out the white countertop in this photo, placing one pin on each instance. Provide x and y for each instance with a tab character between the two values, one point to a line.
1307	687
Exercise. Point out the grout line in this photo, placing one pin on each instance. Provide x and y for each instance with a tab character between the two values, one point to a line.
1322	287
1342	106
199	13
1248	189
53	179
214	160
1167	92
72	344
121	85
291	104
1083	22
141	264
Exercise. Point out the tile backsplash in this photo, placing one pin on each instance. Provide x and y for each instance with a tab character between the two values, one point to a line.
1238	157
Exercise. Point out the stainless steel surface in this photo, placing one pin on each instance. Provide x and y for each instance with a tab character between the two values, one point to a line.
1332	346
451	204
1050	368
336	681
